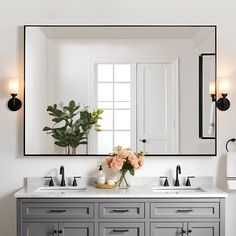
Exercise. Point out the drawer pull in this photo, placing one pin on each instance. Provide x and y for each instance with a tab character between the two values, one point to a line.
56	211
120	230
120	210
184	210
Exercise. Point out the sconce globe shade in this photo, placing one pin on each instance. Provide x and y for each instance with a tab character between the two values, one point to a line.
223	104
14	104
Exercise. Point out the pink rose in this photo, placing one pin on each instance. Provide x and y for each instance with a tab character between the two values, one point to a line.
117	164
123	154
134	161
109	161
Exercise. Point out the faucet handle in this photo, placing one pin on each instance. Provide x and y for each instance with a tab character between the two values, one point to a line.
166	184
74	181
51	183
188	183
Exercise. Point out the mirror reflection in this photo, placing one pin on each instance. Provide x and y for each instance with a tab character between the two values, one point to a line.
144	79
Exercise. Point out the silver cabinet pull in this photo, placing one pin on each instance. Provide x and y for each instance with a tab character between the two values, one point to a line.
120	210
56	211
184	210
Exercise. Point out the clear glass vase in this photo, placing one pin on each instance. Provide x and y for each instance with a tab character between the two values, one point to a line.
70	150
123	180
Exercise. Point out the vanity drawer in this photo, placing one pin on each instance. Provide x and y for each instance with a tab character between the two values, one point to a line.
122	229
186	210
57	210
121	210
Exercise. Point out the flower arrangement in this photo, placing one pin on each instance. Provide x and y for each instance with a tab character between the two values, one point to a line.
123	161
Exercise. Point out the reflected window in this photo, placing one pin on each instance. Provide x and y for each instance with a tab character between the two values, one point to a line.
114	97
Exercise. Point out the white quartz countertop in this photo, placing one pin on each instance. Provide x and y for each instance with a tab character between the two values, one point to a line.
135	191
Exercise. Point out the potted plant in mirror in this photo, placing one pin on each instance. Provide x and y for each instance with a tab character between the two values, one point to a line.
123	161
72	124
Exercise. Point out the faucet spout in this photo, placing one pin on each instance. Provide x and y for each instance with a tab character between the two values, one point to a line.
178	171
62	173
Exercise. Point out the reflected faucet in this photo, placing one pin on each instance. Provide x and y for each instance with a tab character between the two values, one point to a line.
62	173
178	171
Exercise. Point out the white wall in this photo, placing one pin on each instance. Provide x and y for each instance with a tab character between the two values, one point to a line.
36	94
14	14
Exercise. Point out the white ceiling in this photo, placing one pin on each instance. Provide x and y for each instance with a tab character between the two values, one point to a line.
75	32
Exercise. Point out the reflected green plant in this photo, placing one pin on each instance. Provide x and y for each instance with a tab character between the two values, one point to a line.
72	124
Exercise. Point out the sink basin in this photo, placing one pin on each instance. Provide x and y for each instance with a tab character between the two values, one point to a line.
177	190
59	190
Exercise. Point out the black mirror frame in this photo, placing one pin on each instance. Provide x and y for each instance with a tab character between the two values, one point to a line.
201	82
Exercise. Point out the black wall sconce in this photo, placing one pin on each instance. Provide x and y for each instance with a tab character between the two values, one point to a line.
14	104
222	103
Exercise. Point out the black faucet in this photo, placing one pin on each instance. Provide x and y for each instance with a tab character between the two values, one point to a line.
178	171
62	173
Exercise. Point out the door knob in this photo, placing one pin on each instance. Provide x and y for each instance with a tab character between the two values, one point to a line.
143	140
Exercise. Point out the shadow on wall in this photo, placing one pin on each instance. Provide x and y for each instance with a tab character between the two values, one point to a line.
8	208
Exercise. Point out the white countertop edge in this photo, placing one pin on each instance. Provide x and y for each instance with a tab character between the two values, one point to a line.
132	192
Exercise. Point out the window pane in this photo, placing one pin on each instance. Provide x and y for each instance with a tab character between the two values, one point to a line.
105	72
122	73
105	92
122	138
122	119
121	105
122	92
107	120
104	105
105	144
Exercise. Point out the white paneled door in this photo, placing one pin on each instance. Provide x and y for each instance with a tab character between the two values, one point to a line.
157	113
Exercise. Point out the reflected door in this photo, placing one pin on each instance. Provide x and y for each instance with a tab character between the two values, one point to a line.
157	118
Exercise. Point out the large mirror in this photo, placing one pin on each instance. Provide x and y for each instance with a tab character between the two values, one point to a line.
103	86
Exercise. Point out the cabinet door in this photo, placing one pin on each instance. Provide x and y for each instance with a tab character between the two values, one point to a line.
168	229
203	229
75	229
39	229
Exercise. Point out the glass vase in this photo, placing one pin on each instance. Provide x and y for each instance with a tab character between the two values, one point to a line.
123	180
70	150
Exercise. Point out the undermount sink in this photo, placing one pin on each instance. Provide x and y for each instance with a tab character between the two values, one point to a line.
59	190
176	190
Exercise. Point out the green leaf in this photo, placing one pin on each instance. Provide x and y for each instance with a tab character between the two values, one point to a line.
131	171
46	128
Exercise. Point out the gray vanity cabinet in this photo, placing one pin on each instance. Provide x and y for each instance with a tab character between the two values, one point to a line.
190	229
167	229
122	229
75	229
39	229
204	229
57	229
120	217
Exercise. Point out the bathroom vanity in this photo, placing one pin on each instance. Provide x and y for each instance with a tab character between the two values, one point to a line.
141	210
